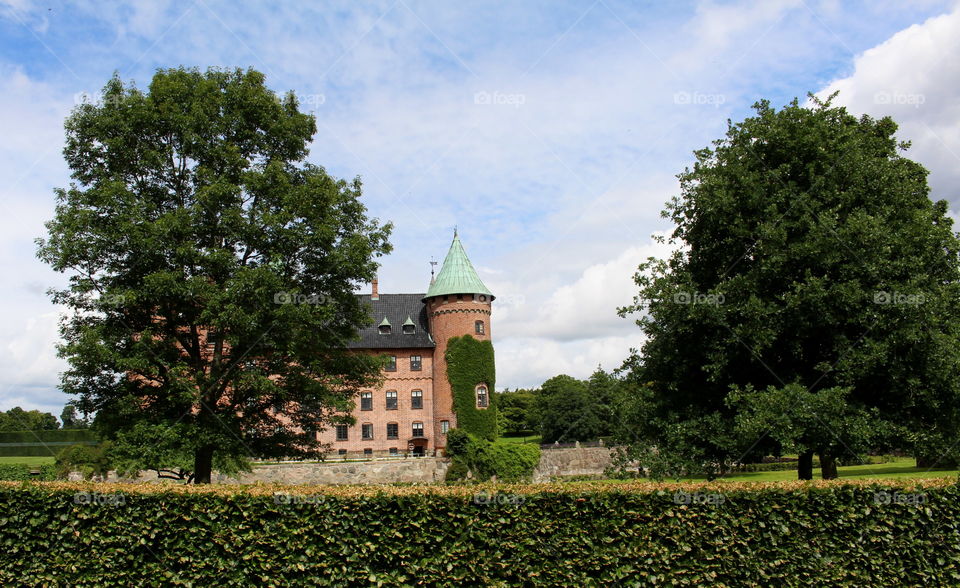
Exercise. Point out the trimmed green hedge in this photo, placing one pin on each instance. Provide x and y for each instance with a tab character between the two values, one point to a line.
14	472
43	443
471	362
789	534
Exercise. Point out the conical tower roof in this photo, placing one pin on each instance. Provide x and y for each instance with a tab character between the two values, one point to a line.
457	275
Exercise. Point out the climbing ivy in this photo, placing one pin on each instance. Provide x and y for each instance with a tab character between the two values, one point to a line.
470	362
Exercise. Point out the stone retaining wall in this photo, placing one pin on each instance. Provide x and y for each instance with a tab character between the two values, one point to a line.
554	463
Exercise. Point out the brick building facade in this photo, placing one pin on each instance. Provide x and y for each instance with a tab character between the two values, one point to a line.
412	409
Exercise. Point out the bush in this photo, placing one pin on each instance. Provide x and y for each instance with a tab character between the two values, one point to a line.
790	534
14	472
89	461
457	442
457	472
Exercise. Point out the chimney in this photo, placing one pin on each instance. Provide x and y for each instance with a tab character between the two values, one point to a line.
375	295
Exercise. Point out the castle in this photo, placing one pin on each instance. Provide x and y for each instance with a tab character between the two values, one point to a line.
412	410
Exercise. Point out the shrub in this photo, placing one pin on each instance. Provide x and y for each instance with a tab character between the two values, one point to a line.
457	472
457	442
790	534
508	462
14	472
89	461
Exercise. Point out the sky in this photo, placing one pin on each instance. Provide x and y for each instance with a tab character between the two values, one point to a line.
550	133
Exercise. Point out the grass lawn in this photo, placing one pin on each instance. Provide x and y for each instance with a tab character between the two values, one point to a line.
34	461
534	439
901	467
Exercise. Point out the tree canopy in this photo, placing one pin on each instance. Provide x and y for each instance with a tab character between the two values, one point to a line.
211	268
808	253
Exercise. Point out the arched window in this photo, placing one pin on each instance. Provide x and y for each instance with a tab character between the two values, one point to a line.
478	327
483	400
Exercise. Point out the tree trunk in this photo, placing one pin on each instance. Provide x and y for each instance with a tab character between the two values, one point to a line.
203	465
805	466
828	467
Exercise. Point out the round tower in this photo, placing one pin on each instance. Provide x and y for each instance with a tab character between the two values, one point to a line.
457	304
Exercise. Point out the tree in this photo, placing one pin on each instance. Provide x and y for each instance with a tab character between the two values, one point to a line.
17	419
211	268
70	418
567	411
806	423
515	408
808	252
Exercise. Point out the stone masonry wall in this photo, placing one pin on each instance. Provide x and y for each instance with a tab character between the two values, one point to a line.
554	463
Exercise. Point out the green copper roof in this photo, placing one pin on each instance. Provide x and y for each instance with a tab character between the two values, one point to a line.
409	322
457	275
384	322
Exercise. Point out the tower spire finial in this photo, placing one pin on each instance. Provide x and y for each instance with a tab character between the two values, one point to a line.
454	231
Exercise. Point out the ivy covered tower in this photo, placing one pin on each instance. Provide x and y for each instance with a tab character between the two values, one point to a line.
458	308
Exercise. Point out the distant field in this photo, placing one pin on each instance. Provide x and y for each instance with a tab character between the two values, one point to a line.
32	460
533	439
901	467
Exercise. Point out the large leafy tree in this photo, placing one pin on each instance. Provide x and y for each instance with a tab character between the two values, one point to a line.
808	252
211	268
567	411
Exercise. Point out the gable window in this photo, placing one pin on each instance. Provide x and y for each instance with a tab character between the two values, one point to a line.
366	401
342	432
417	429
391	400
393	430
366	432
384	326
444	427
478	327
416	399
483	401
391	363
415	363
408	327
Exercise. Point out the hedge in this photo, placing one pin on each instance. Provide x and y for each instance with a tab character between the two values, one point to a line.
794	533
471	362
43	443
19	471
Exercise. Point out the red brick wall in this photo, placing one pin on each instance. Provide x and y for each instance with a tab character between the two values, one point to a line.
404	380
452	318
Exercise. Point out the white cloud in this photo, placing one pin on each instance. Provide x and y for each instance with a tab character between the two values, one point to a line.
914	77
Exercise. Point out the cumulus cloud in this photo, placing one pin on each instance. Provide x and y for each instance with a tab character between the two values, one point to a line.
914	77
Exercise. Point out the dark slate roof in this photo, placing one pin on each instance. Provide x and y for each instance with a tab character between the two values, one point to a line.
395	308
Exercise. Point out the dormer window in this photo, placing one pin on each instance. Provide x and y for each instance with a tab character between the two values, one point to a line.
384	326
408	327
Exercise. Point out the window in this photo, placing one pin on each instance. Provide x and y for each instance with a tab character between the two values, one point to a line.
478	327
342	432
408	327
415	361
391	363
482	400
393	430
416	399
366	401
417	429
391	400
384	326
394	451
367	431
341	452
459	296
368	451
444	427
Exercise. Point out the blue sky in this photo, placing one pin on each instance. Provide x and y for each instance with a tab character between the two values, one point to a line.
549	132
